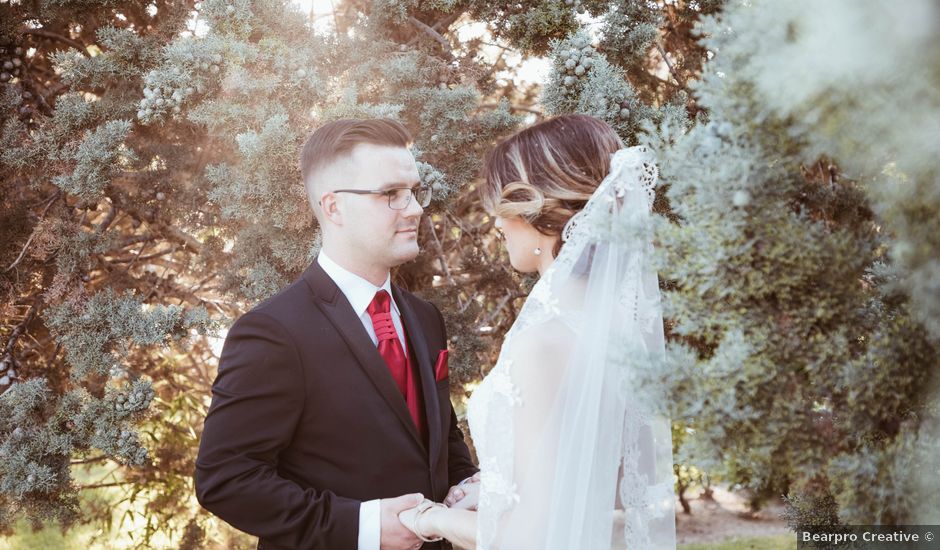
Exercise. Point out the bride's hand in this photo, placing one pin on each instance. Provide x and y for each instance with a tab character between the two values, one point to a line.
417	521
407	518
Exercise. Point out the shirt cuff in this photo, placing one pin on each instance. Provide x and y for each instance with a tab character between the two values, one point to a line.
370	525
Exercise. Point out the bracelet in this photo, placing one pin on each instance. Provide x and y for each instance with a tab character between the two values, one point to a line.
421	509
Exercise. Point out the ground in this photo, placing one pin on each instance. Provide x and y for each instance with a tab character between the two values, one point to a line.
728	517
725	522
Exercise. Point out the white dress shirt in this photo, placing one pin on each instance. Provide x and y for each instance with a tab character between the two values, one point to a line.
360	293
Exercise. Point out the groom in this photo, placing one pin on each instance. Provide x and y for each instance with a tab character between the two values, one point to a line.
331	411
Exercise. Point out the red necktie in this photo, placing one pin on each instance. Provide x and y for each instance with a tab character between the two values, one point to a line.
390	349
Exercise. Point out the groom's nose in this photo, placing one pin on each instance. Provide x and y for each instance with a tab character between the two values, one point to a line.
414	209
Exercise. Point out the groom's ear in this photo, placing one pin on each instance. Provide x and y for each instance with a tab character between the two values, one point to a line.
326	178
329	208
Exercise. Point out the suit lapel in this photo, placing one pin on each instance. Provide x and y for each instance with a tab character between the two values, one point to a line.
418	343
337	309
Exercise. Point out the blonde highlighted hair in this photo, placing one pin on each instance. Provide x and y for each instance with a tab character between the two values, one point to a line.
547	172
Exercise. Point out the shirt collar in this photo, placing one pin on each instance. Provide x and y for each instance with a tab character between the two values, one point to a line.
357	290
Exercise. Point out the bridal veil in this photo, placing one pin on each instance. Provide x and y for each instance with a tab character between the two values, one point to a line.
574	451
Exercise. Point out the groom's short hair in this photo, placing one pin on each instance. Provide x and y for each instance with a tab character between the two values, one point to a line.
336	139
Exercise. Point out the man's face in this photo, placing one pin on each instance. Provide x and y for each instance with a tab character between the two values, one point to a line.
372	232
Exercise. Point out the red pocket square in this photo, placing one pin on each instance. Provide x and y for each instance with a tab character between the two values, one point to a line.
440	368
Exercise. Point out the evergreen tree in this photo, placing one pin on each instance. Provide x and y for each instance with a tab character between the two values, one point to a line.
806	351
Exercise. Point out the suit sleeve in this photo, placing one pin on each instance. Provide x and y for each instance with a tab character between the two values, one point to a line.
257	400
459	464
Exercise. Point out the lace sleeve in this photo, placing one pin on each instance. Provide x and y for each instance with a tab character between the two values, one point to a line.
491	404
517	459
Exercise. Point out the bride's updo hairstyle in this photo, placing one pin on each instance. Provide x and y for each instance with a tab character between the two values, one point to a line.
547	172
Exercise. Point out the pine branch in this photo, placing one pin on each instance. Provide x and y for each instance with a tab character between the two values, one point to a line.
440	251
42	216
18	331
199	286
108	219
167	265
89	460
102	485
182	237
172	233
514	107
437	26
499	59
672	69
147	257
448	49
55	36
134	239
499	306
140	250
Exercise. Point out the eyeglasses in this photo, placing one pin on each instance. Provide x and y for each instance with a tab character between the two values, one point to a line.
399	198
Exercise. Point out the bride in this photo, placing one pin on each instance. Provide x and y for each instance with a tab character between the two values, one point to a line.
573	454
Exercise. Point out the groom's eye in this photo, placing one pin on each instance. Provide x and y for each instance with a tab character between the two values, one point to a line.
397	194
396	197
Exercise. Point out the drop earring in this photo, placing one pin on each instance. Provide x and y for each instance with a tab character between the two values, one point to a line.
538	251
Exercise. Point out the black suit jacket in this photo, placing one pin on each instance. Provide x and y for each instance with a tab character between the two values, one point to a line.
306	421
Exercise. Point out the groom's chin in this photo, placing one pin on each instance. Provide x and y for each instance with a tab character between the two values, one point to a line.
404	253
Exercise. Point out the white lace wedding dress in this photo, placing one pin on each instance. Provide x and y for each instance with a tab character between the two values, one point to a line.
567	436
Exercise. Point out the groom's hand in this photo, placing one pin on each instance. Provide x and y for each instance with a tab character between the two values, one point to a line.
396	536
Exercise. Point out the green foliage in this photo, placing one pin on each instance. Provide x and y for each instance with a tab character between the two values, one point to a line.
530	26
800	364
34	472
582	81
804	510
871	103
50	536
631	29
97	333
689	469
97	158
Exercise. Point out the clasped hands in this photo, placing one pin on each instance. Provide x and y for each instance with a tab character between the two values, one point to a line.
414	515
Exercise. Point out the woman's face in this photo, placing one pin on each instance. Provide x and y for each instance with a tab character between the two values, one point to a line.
522	240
